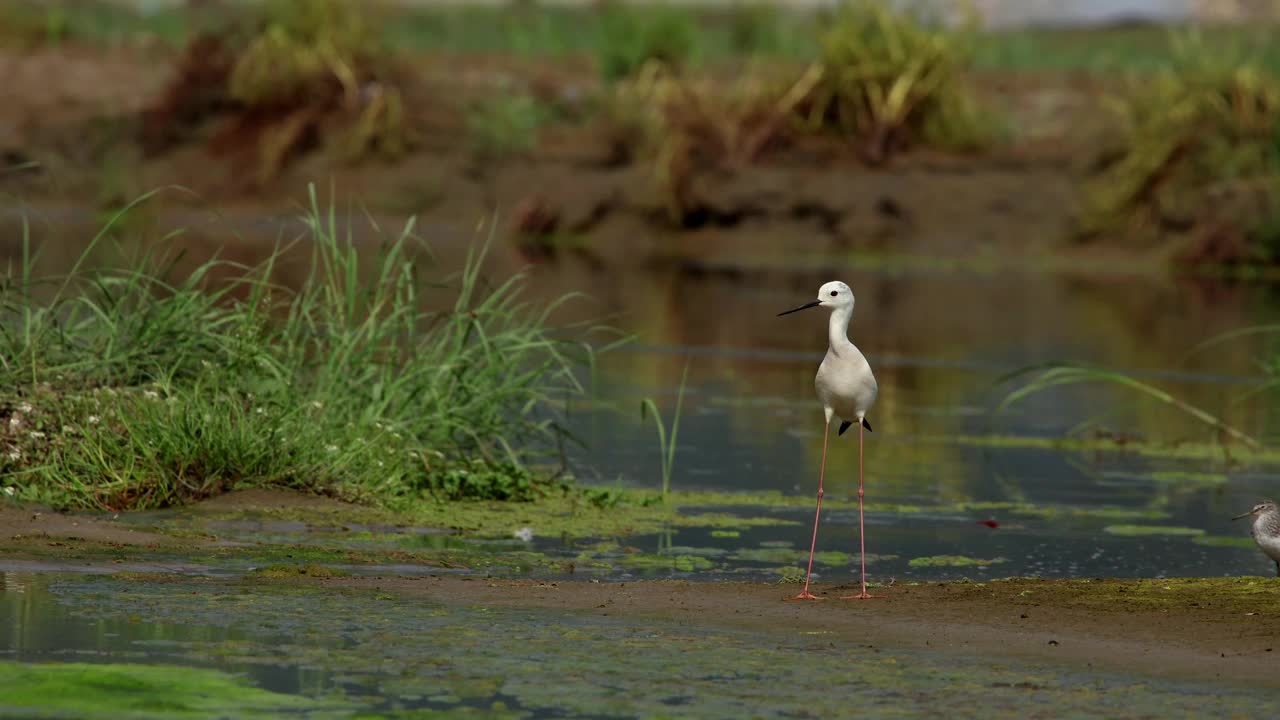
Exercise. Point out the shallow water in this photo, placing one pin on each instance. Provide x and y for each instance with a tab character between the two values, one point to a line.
382	653
940	342
940	335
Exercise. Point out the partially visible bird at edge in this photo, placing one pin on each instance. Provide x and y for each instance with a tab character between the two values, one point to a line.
847	388
1266	529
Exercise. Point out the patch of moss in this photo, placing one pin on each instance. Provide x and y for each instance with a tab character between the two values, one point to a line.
1217	595
293	571
92	690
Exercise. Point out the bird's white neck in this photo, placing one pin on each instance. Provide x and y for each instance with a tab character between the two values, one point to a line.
838	328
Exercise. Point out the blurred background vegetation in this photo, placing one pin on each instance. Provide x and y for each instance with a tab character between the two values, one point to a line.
1167	132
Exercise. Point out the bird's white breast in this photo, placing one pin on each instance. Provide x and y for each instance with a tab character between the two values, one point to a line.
845	383
1269	543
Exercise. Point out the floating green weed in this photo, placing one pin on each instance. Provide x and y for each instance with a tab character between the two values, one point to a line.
771	555
1137	530
953	561
1233	541
1173	476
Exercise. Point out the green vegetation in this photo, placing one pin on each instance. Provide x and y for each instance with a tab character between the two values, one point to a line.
1053	375
503	125
1200	149
286	73
631	37
893	79
666	443
750	28
1152	530
953	561
93	690
128	388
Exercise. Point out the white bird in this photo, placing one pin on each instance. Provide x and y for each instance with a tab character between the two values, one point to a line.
1266	529
846	388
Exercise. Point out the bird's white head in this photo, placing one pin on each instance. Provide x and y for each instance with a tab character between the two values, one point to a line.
834	295
1266	507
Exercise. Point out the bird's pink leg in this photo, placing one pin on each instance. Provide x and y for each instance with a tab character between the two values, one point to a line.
813	544
862	535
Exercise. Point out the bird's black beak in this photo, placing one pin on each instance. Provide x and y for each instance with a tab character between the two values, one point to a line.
1243	516
815	303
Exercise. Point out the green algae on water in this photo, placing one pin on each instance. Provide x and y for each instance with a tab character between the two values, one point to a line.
1136	530
284	570
953	561
781	556
1242	541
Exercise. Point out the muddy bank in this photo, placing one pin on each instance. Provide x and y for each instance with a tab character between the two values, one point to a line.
1224	630
76	133
27	524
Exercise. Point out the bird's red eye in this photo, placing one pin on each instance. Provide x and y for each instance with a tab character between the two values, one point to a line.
834	293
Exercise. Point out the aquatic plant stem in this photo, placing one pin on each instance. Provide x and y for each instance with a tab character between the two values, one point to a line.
862	534
817	514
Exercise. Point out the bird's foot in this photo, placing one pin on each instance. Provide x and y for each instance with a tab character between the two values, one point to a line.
806	595
864	595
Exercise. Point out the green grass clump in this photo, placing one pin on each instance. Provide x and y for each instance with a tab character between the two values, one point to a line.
1199	144
288	73
893	79
303	49
632	36
504	125
125	389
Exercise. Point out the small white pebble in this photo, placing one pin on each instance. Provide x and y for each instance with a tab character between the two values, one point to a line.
14	422
36	435
93	419
25	407
524	533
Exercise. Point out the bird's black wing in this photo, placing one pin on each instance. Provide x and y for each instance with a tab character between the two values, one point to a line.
846	424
